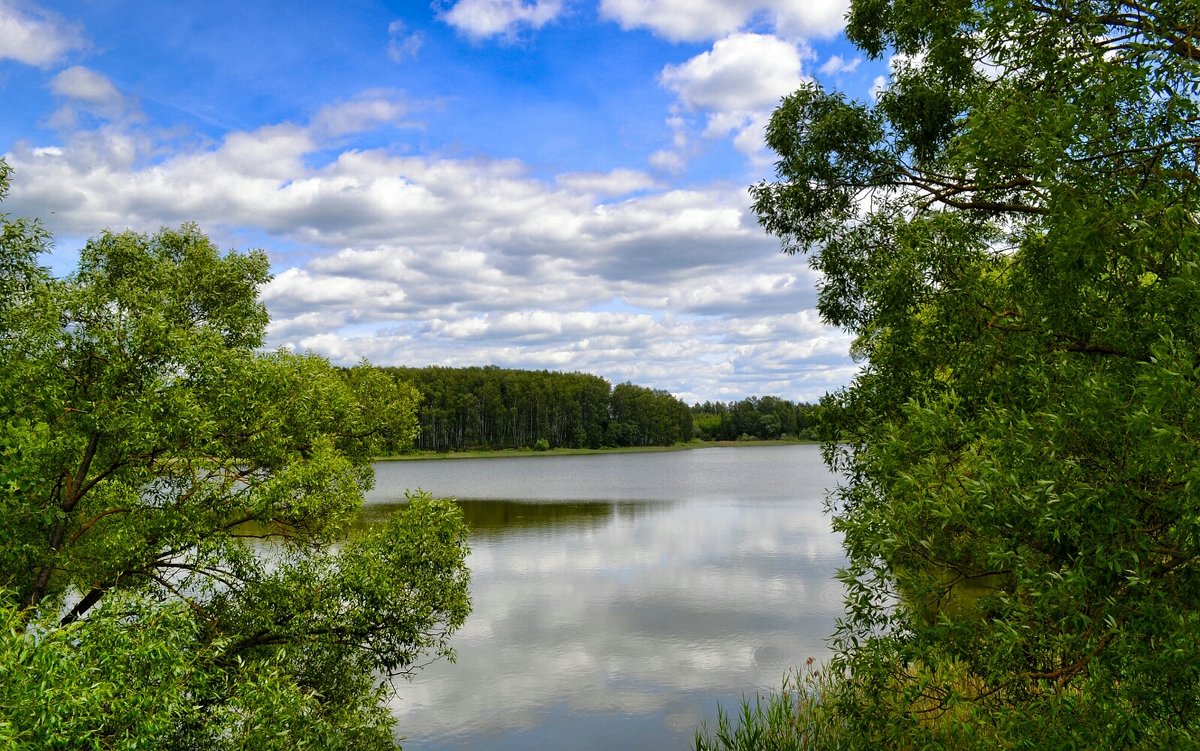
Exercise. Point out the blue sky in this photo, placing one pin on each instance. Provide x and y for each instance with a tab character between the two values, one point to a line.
551	184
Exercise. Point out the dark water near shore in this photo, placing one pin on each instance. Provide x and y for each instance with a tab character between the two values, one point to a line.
618	598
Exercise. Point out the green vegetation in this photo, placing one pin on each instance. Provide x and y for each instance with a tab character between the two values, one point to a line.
761	418
695	443
497	518
146	444
527	452
795	718
483	409
497	408
1011	232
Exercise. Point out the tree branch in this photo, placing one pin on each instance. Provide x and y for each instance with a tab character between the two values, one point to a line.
83	529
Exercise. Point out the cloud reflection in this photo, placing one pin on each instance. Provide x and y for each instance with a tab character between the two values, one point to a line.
631	610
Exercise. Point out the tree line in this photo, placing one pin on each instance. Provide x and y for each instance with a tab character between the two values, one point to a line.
500	408
761	417
490	408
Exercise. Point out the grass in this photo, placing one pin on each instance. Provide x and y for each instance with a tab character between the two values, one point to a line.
795	718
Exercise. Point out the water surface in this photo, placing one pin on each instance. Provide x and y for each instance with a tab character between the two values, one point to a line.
617	598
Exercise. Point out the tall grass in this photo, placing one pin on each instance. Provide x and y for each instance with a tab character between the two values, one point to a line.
797	717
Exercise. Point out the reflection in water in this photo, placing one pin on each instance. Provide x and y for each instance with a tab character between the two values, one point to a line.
503	517
621	623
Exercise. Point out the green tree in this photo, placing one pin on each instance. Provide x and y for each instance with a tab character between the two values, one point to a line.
769	426
1011	232
147	448
647	417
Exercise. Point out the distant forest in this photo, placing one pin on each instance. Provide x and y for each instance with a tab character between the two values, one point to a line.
762	417
498	408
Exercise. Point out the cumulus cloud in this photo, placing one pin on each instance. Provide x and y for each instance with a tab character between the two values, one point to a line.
367	111
698	20
678	20
837	64
615	183
741	72
584	584
737	83
668	160
420	260
481	19
87	92
808	18
34	36
82	84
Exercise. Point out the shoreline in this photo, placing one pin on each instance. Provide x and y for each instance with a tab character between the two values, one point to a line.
528	452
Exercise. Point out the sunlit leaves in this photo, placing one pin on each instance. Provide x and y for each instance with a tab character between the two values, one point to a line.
148	450
1020	511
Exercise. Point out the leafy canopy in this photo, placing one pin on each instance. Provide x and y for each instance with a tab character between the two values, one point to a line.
147	451
1011	233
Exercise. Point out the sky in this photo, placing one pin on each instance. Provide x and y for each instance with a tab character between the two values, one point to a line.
537	184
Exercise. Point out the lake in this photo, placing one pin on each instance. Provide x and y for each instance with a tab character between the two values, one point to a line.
617	598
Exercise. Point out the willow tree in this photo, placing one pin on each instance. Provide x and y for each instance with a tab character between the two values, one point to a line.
1011	232
148	449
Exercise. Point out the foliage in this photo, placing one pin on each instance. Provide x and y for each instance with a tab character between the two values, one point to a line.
766	417
796	717
495	408
647	417
1011	232
149	449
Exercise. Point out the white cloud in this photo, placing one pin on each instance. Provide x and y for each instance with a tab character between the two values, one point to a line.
365	112
531	326
674	159
401	45
878	86
85	85
86	91
836	64
897	64
678	20
751	137
737	84
480	19
697	20
808	18
31	35
600	571
742	72
668	160
421	260
615	183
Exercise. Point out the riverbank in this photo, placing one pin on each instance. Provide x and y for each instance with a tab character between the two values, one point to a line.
509	453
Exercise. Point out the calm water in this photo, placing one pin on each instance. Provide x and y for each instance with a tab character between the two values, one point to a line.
618	598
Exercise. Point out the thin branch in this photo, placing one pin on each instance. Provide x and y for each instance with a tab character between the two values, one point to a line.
194	605
1063	675
227	578
83	529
